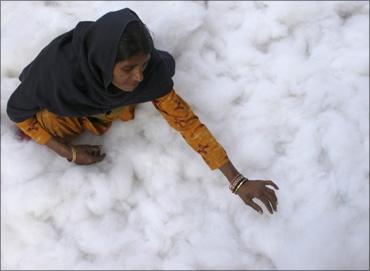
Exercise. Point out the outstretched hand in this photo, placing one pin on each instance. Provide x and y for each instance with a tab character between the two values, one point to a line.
258	189
88	154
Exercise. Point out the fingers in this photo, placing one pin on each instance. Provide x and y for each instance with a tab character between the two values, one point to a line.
258	189
96	154
272	184
97	147
255	206
89	154
267	203
271	200
99	158
90	147
94	150
272	193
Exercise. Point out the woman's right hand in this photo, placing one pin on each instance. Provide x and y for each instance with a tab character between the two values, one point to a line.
88	154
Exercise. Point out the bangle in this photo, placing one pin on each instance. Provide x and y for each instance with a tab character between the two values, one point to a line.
236	177
235	181
74	154
240	184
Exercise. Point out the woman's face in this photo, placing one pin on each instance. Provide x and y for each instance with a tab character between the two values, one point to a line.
128	73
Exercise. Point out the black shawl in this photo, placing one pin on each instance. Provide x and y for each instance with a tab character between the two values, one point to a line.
72	75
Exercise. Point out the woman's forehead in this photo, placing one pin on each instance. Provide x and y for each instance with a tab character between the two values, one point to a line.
137	59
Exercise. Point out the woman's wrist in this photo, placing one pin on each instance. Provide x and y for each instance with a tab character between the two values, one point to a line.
60	148
229	171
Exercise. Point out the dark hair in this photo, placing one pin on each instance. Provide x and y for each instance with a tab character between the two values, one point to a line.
135	39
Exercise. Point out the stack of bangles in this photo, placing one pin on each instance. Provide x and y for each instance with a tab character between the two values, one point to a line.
74	154
237	182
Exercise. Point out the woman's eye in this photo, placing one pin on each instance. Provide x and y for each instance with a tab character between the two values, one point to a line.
130	69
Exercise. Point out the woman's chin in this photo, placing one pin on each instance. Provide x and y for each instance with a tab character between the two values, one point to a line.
126	88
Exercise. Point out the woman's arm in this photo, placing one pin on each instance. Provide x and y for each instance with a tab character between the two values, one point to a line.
180	116
229	171
85	154
60	148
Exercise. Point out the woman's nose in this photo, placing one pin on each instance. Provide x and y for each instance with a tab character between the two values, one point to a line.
138	75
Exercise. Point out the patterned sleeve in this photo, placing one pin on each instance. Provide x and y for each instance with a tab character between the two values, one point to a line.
32	128
180	116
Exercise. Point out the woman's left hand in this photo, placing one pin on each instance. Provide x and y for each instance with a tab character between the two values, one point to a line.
258	189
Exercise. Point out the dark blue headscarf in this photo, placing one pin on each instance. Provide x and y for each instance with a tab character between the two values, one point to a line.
72	75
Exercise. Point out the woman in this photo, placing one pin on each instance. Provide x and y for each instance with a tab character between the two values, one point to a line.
96	73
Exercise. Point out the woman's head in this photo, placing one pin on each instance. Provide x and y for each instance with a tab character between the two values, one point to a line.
134	51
